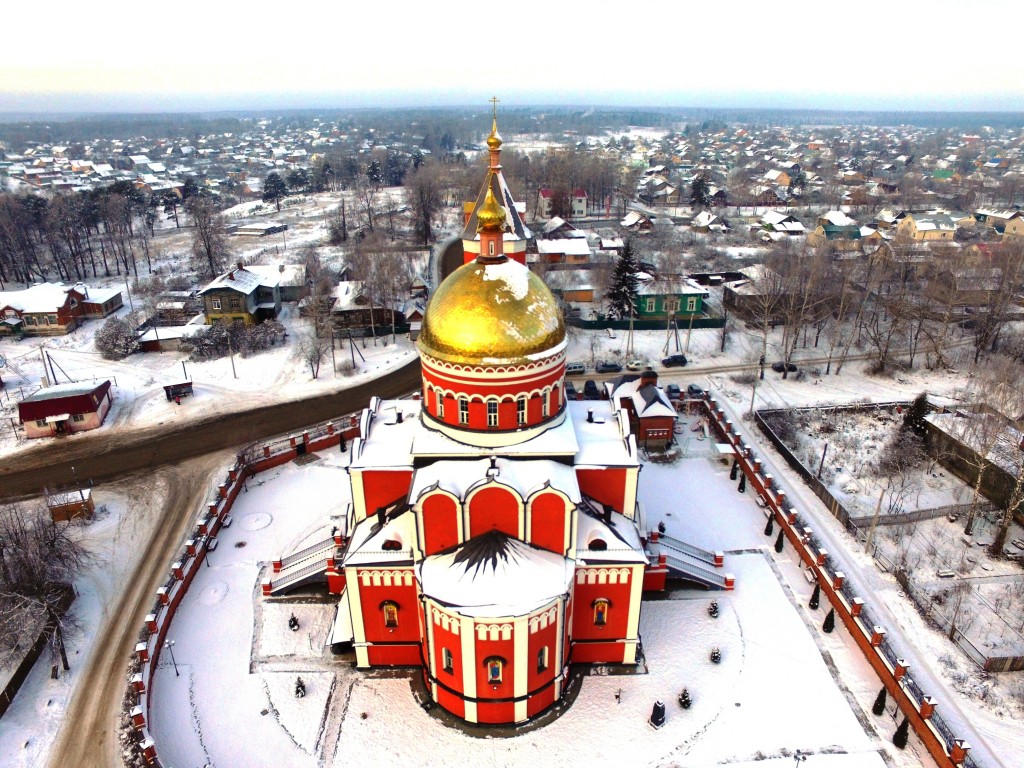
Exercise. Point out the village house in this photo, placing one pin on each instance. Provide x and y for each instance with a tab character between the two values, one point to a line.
651	415
926	226
241	295
679	297
46	309
65	408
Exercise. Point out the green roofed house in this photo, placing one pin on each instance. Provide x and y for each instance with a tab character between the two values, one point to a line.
658	298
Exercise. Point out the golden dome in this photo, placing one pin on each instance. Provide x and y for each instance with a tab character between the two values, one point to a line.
494	140
491	216
494	313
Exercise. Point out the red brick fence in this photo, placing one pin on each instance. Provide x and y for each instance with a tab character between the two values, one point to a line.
202	541
855	613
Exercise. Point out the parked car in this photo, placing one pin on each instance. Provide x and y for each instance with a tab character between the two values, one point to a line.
674	360
780	366
575	369
570	391
673	391
590	390
695	392
637	365
607	366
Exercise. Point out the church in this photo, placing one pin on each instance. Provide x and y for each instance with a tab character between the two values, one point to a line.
494	536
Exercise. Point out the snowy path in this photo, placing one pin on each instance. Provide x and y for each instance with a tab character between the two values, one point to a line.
988	747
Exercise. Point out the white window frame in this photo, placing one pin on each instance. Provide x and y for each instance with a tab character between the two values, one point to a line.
215	303
521	407
691	304
492	414
463	411
651	304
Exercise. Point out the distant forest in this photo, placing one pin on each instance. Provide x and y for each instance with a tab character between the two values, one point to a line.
464	124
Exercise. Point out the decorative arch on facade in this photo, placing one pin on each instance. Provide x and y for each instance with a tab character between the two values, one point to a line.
602	576
494	632
439	519
491	505
549	519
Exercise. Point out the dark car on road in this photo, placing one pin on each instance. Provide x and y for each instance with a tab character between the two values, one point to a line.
570	391
673	391
694	392
606	366
674	360
590	390
780	367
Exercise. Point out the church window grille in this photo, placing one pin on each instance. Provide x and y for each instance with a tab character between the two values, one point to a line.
463	411
492	413
544	407
390	610
448	661
521	410
440	403
542	659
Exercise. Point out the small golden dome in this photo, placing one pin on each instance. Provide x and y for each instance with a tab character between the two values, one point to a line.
491	314
494	140
491	216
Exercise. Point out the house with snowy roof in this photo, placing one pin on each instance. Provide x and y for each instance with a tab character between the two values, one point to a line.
242	295
65	408
651	413
45	309
926	227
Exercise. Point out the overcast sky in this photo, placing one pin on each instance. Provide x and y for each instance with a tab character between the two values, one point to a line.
113	55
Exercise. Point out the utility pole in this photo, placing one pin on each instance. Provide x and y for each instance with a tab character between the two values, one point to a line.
42	356
874	522
232	355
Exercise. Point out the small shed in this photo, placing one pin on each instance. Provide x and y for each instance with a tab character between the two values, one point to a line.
68	505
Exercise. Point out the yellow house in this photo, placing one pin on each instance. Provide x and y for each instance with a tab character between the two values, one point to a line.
926	227
1014	228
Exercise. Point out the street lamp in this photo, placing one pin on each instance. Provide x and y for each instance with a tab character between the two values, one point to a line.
169	645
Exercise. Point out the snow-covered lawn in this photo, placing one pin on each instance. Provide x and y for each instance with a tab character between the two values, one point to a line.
234	702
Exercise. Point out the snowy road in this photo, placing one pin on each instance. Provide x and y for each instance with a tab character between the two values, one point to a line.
989	749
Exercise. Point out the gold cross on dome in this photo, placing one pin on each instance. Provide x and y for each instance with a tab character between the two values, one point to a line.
494	106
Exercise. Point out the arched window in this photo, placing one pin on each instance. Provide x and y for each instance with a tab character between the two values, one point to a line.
463	410
448	661
492	413
390	611
490	248
521	410
542	659
495	666
440	403
601	608
544	408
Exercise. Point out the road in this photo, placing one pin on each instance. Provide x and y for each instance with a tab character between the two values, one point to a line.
108	454
89	732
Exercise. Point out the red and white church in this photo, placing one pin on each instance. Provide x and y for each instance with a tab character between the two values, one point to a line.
495	536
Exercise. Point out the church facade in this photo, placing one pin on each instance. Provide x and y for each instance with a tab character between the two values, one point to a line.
494	536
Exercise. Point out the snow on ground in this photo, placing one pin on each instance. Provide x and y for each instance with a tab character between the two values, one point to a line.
122	521
234	702
273	375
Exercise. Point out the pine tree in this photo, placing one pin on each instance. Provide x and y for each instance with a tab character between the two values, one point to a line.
622	295
274	189
716	655
900	737
778	541
815	598
700	192
830	621
879	706
913	419
300	688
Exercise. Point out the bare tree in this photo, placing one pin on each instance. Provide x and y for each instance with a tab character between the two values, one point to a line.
424	191
209	239
313	350
39	561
